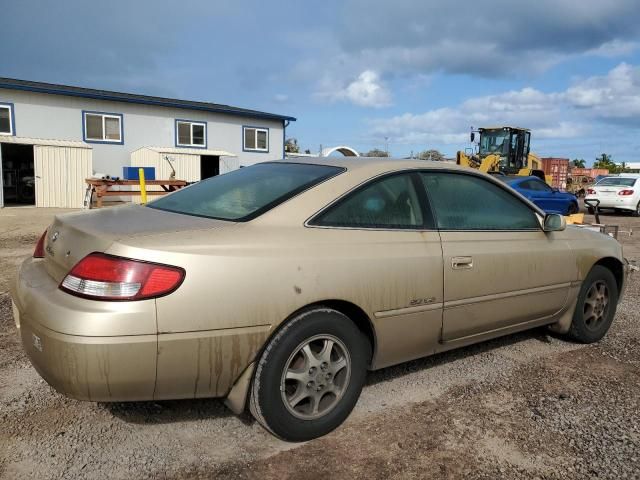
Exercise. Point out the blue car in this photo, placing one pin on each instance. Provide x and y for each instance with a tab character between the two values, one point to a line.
551	200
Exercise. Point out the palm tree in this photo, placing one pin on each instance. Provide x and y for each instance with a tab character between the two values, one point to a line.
579	163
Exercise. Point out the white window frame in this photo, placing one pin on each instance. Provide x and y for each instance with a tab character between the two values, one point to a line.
191	124
255	137
12	128
104	138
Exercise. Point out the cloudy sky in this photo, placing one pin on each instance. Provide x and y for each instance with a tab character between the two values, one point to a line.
420	72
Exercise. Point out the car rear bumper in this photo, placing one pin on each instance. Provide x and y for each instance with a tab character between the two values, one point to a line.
80	347
108	369
81	366
614	201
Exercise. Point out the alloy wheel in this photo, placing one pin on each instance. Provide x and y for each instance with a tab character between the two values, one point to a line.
315	377
596	305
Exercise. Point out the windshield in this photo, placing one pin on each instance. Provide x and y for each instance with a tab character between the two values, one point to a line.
616	182
494	141
245	193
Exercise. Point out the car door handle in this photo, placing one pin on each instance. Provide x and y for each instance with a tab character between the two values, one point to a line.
461	263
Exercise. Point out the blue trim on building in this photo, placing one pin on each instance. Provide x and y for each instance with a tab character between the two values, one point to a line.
138	99
12	115
107	142
254	150
199	122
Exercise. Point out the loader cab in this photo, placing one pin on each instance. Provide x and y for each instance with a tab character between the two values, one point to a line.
510	143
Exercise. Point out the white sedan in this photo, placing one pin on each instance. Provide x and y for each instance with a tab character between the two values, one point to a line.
619	193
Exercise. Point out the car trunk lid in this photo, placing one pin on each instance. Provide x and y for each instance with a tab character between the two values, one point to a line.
73	236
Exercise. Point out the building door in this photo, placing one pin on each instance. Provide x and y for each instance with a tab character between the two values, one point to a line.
18	180
209	166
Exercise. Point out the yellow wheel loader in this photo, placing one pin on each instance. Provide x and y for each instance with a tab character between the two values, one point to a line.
503	150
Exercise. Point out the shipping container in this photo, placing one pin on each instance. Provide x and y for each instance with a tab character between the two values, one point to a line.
588	172
558	170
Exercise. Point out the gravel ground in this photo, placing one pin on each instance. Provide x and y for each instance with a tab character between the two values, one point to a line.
524	406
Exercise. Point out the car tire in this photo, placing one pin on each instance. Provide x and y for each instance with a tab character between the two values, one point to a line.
573	208
310	375
591	210
636	213
596	306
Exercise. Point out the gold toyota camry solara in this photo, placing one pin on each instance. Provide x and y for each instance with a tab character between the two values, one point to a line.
279	285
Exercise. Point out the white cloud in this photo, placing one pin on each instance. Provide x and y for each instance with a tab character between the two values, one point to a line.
367	90
612	96
615	48
408	38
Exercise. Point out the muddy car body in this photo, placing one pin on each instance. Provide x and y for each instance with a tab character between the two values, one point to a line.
286	305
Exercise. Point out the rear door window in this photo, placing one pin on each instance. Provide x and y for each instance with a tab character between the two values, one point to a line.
469	202
388	203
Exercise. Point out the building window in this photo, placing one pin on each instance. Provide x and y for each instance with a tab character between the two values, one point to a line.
7	126
103	127
191	134
255	139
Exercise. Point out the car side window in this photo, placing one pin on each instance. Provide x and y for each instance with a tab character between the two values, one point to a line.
390	202
540	186
469	202
528	185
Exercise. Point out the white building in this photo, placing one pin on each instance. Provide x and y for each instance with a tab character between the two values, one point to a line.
53	136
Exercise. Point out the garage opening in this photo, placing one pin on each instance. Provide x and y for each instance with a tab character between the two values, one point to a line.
209	166
18	178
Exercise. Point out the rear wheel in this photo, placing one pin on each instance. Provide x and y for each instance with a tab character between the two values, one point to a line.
573	208
310	375
591	210
596	306
636	213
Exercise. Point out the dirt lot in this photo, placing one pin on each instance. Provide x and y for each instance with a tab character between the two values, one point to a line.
524	406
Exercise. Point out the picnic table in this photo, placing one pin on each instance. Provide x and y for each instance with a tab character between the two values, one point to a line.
110	188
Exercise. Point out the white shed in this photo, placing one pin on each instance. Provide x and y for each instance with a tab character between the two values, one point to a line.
44	173
190	164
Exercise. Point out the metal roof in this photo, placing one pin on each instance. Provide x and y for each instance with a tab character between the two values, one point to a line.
68	90
190	151
43	141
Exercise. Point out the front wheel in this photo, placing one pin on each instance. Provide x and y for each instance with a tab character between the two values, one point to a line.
596	306
310	375
573	208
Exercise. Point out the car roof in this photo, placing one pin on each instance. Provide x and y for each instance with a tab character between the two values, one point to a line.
515	178
375	164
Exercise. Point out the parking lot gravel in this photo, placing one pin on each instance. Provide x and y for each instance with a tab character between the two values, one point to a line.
524	406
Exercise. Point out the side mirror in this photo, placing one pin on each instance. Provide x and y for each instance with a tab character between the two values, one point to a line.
554	222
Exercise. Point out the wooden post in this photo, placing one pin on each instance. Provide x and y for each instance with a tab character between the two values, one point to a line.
143	186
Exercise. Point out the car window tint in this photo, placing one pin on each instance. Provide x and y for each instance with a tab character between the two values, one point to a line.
616	182
247	192
391	202
467	202
539	186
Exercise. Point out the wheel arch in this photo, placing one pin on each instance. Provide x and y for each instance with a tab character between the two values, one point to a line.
616	267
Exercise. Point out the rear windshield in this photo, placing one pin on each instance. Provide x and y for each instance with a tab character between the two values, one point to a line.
616	182
245	193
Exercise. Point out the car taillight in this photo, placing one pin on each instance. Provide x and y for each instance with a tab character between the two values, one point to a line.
591	191
39	250
107	277
625	192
